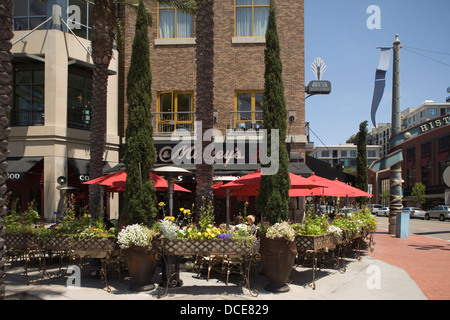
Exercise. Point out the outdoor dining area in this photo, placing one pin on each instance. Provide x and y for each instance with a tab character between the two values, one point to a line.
227	247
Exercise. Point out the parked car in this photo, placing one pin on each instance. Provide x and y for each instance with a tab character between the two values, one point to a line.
441	212
414	212
374	208
384	211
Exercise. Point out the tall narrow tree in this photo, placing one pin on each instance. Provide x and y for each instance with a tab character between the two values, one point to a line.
5	108
204	52
140	153
104	19
273	199
361	158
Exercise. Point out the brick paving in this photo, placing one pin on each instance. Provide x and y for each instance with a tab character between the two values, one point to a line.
426	260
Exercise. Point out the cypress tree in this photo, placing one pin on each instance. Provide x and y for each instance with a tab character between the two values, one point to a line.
273	199
361	178
140	153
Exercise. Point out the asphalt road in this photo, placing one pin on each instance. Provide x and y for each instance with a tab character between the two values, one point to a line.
430	228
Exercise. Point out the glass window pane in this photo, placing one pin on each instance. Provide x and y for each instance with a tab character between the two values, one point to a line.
24	77
38	97
20	8
261	21
34	22
243	22
21	24
76	81
38	77
23	97
184	102
243	2
244	103
38	8
185	25
261	2
166	23
165	105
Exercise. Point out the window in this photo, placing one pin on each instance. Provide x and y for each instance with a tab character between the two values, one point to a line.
28	14
371	153
28	108
353	153
251	17
175	111
82	27
79	97
325	153
343	153
174	24
248	112
432	112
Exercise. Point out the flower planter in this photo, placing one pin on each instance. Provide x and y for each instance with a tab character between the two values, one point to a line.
141	263
278	257
315	243
19	242
205	247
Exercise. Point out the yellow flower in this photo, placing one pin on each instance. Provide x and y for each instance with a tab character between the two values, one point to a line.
161	204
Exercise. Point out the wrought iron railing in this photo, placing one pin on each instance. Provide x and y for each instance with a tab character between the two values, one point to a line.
168	122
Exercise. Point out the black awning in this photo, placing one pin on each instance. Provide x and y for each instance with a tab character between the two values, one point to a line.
300	168
22	165
81	166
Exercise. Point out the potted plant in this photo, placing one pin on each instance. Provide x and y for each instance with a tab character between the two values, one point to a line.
278	251
141	254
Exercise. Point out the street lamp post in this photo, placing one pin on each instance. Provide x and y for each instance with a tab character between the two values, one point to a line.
396	170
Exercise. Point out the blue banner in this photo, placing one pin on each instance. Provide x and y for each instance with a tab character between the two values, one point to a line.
380	81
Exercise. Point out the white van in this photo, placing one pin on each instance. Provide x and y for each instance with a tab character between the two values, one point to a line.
374	208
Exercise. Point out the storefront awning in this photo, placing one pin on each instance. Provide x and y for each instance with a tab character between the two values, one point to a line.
22	165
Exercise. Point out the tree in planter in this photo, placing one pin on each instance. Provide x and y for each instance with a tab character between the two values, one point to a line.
105	19
273	198
418	193
204	52
5	108
361	178
140	153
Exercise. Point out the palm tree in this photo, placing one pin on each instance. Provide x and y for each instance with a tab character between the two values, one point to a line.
5	108
104	18
204	51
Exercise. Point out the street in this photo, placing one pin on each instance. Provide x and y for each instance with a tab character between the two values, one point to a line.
429	228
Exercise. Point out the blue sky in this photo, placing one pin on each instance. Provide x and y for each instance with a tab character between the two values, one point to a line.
337	32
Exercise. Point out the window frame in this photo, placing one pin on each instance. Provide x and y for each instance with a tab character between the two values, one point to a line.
85	75
254	120
173	119
252	6
158	35
15	110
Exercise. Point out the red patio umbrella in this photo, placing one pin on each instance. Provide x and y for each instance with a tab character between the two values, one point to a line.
354	192
115	182
335	188
248	185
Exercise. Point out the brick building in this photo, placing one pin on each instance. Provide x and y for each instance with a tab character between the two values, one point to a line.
425	150
239	43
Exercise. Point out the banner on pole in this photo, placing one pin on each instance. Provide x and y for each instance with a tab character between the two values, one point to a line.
380	81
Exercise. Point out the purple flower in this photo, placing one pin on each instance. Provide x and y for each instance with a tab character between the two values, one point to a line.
224	235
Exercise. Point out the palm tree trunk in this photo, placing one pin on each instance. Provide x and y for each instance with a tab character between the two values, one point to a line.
205	94
5	108
104	22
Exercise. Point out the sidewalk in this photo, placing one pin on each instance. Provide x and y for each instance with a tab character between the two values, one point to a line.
398	269
425	259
